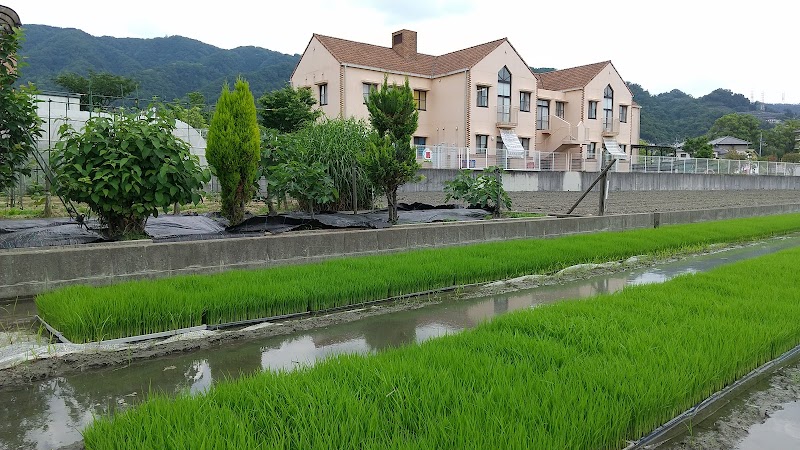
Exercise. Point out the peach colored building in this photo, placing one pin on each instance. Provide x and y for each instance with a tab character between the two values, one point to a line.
479	106
586	114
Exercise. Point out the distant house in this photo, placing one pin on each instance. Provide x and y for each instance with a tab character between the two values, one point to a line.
726	144
586	112
483	98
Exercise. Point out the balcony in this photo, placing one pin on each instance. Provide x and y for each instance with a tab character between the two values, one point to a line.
507	116
610	126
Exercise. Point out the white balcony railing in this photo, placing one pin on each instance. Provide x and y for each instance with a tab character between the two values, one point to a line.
507	116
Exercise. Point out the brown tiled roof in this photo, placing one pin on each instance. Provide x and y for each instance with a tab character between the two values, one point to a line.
384	58
572	78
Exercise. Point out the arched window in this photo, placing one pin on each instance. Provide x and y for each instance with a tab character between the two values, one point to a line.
504	95
608	109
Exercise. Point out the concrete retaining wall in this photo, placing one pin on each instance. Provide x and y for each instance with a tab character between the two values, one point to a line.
27	272
634	181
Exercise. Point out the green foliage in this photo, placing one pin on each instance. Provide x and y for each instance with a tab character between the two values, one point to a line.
19	123
140	307
782	138
167	67
126	168
310	184
390	160
336	144
288	109
192	110
234	148
791	157
734	155
482	191
98	89
699	147
742	126
580	375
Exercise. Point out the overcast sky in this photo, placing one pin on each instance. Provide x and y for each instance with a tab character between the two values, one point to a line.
695	46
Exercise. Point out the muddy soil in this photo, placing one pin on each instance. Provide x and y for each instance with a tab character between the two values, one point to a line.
629	202
727	428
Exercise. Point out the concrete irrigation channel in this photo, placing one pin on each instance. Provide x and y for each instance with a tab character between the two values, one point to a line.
84	381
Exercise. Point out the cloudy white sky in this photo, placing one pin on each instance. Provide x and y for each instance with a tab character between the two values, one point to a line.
691	45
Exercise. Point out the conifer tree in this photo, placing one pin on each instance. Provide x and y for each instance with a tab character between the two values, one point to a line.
234	147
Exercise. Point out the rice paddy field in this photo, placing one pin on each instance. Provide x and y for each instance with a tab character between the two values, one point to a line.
589	374
85	314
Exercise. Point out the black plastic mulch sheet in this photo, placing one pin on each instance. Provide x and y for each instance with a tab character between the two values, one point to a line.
294	221
54	234
172	227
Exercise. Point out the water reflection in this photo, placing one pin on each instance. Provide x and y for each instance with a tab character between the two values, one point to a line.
52	413
780	431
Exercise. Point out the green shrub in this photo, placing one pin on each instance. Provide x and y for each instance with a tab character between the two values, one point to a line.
482	191
126	168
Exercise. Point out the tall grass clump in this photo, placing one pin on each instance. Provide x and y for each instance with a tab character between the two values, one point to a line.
85	314
590	374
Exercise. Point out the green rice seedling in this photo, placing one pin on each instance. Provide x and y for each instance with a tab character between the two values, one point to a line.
589	374
140	307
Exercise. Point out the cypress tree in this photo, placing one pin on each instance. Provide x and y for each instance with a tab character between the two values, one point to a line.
234	147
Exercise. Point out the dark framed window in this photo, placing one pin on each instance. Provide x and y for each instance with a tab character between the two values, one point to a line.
483	96
419	143
542	114
592	113
498	143
504	95
560	110
526	143
525	101
421	99
366	88
623	113
481	143
591	150
608	108
323	94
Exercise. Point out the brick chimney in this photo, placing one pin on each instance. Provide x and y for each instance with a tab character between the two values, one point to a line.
404	42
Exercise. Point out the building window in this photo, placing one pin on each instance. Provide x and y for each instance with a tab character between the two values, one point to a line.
483	96
591	150
525	101
498	143
526	143
623	113
366	88
608	109
323	94
481	143
542	114
560	110
421	99
592	109
623	148
419	143
504	95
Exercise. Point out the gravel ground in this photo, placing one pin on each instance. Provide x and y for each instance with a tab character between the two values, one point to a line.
629	201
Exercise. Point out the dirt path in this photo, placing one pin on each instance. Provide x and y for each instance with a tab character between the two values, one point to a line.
629	202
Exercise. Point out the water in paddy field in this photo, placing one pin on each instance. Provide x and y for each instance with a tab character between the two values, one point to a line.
52	413
780	431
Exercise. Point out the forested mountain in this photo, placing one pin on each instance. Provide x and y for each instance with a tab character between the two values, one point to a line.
171	67
167	67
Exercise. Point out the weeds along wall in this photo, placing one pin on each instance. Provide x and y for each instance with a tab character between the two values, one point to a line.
31	271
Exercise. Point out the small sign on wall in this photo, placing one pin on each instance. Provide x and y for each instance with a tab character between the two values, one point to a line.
427	154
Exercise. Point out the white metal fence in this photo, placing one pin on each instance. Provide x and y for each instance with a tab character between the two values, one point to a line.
445	157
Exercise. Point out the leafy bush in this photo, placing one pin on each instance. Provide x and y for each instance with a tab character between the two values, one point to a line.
308	184
126	168
479	192
234	148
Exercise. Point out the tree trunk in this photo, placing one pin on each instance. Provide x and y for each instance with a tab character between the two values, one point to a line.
391	199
